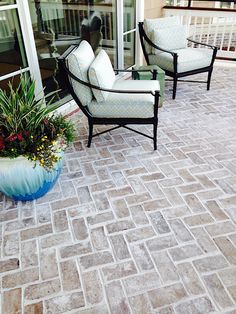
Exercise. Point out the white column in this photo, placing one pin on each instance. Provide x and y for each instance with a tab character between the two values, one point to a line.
139	18
120	39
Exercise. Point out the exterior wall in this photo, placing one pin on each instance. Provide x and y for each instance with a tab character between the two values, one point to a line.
153	8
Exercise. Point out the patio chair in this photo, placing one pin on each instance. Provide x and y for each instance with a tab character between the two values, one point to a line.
164	42
104	98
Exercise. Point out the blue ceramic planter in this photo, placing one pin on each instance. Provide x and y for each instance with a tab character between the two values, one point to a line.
21	180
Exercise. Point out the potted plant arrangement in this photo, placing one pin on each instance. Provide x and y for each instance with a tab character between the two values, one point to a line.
32	142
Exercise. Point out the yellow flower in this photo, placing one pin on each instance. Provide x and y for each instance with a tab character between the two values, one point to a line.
12	149
54	143
42	161
34	158
31	136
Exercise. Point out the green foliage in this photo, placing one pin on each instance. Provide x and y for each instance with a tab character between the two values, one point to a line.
28	127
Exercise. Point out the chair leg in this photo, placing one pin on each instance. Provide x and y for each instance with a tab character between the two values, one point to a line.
155	135
174	87
209	79
90	132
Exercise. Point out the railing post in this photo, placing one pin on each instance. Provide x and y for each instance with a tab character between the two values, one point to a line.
189	3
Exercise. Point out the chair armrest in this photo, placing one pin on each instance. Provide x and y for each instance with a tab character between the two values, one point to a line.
121	91
153	72
203	44
69	73
131	71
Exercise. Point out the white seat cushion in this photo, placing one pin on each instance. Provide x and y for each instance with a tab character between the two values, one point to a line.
188	59
79	62
170	38
101	74
127	105
152	24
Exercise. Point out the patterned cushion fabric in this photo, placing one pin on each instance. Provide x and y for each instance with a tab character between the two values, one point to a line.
152	24
79	62
127	105
170	38
101	74
188	59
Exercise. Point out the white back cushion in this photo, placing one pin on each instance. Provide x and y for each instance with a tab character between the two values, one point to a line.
170	38
151	24
102	75
79	62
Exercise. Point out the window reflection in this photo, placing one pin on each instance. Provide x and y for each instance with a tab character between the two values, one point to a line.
4	84
12	52
129	30
129	14
129	50
6	2
57	24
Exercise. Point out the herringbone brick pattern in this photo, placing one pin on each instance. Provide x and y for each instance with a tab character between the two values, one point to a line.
130	230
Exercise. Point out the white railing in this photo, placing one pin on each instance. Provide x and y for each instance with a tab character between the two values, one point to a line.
216	27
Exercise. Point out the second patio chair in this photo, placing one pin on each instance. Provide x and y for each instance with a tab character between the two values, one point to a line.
164	42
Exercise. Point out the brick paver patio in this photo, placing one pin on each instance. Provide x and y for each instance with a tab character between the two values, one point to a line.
130	230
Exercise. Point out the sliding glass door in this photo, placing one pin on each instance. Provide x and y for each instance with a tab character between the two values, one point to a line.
34	33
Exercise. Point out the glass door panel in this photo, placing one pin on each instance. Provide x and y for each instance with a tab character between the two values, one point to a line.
6	2
129	15
129	49
15	80
129	32
107	13
12	50
57	24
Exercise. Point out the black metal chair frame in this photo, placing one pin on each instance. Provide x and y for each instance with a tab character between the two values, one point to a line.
175	75
120	122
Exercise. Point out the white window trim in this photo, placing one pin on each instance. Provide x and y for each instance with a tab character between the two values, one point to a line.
120	25
139	18
12	74
8	7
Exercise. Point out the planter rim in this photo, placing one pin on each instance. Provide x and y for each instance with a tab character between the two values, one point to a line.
21	157
17	160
